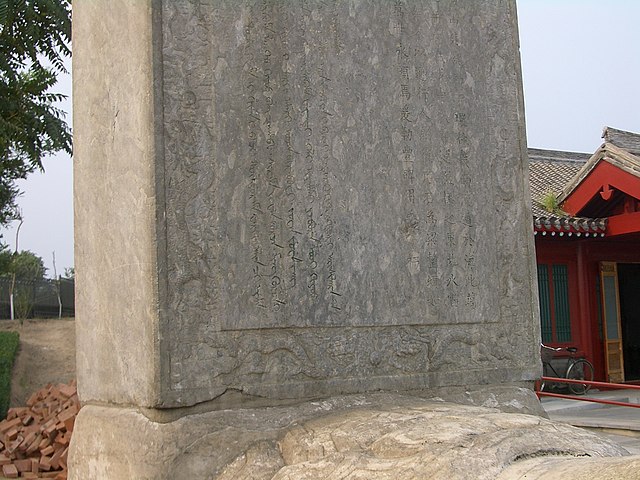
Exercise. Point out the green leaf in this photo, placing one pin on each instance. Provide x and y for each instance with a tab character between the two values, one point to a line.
34	41
4	11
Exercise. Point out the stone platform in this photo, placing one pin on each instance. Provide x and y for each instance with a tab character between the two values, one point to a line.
375	436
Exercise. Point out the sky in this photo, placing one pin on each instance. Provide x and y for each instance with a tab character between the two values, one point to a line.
580	64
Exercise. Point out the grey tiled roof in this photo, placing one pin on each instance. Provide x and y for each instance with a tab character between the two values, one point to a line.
551	170
562	172
625	140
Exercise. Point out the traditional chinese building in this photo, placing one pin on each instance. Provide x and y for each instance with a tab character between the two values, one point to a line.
586	215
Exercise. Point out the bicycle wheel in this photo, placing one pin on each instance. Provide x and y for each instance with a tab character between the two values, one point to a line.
580	370
548	371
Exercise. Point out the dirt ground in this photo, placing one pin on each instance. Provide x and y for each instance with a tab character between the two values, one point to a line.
46	355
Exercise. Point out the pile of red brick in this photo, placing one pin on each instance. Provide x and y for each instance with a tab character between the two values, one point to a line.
34	440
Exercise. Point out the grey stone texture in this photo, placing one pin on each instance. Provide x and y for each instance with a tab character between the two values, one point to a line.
375	436
116	202
299	199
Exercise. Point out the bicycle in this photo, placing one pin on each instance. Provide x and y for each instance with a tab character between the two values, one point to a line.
576	369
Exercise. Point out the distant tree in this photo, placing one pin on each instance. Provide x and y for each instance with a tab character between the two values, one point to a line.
5	260
24	269
34	40
26	265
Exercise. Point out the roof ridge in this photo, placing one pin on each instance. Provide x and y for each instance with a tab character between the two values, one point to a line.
623	139
545	155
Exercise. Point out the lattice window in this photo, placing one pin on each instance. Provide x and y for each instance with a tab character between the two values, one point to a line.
555	315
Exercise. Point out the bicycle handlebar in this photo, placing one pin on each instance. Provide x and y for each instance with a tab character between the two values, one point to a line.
559	349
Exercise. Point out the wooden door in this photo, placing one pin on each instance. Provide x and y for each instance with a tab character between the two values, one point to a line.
614	361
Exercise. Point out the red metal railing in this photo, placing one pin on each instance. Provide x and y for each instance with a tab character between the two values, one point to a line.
592	384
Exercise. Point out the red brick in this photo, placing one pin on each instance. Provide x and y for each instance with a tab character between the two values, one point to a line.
67	390
63	439
67	414
47	450
69	424
45	463
11	434
17	412
50	422
31	429
33	399
14	445
23	465
10	471
34	445
71	401
57	456
27	419
50	429
53	436
45	442
28	439
6	425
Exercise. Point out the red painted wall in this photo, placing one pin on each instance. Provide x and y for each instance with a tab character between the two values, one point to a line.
583	255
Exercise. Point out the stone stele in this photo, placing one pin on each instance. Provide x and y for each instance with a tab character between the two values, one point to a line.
278	201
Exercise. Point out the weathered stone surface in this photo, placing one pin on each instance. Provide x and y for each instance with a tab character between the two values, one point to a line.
545	468
371	437
326	227
299	199
505	398
115	202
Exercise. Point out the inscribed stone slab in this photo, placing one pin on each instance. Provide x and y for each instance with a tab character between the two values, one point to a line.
344	187
303	199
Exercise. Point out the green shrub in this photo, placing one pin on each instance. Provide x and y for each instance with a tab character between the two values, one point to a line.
23	303
550	203
9	342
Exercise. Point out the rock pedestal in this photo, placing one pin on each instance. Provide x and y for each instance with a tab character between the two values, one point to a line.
374	436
